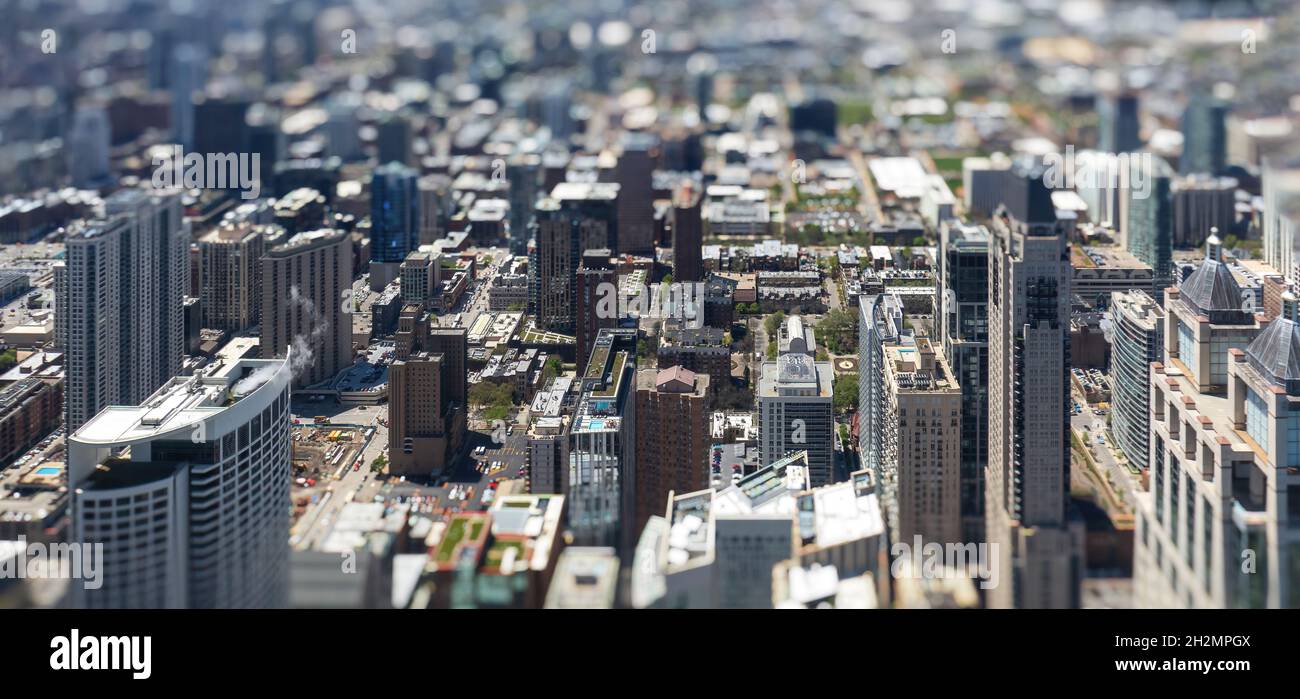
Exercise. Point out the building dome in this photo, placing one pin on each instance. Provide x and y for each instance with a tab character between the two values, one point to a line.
1212	287
1275	354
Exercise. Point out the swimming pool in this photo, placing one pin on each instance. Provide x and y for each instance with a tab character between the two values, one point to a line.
48	471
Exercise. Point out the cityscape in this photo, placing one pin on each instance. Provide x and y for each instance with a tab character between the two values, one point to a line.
649	304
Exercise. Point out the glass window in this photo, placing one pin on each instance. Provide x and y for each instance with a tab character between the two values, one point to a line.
1257	419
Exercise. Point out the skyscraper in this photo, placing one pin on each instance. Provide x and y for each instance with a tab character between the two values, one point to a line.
1201	205
576	217
1118	123
596	297
672	437
1037	544
602	445
1280	184
1205	141
1151	223
230	274
633	173
119	301
205	463
1137	340
922	436
688	235
795	405
88	144
961	300
394	221
303	281
524	172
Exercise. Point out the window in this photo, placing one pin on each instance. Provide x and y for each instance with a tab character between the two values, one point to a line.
1257	419
1187	347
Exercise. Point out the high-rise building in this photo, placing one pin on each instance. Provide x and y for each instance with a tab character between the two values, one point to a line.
672	437
795	405
394	221
633	174
575	218
524	172
602	452
1202	205
426	428
188	492
961	303
1137	340
1205	140
421	274
1151	222
1118	123
688	235
120	301
89	139
1037	544
596	297
880	321
230	274
1216	526
1280	184
303	282
189	73
1204	318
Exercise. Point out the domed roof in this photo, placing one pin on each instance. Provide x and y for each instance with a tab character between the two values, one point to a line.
1275	354
1212	287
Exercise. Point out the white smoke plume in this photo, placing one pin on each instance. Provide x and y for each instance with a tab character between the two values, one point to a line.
302	352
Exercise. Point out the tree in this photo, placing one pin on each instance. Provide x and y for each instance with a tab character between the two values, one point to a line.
773	322
668	279
8	359
845	389
838	331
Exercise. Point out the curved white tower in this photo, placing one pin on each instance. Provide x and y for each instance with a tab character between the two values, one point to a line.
189	492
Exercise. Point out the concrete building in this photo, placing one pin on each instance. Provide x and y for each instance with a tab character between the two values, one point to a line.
795	406
230	274
29	409
922	436
426	428
1217	527
585	578
961	317
303	282
119	302
1137	340
575	218
701	350
189	492
1204	318
1099	271
672	437
719	548
421	277
1039	544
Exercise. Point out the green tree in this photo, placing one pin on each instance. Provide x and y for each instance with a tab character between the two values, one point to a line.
845	390
773	322
8	359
